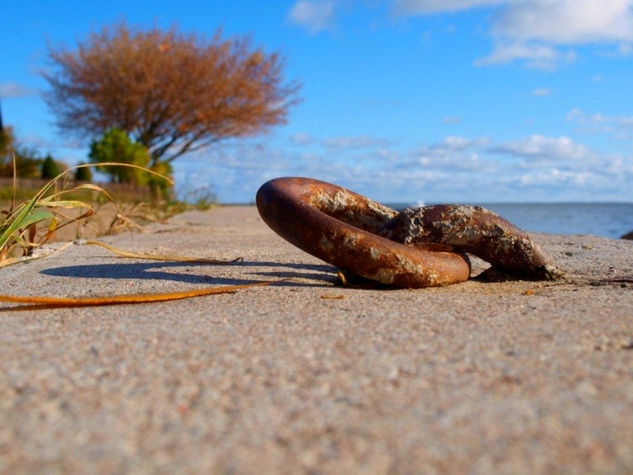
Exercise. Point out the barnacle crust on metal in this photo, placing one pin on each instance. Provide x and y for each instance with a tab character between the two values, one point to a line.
475	230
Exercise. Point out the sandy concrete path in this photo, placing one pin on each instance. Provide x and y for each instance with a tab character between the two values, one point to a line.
308	377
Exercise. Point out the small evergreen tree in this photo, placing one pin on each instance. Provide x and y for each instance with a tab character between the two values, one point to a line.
50	168
83	174
27	160
6	141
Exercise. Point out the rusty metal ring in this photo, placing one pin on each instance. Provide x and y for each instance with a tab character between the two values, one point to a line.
339	226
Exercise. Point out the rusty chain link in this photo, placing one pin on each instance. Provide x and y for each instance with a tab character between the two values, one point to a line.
418	247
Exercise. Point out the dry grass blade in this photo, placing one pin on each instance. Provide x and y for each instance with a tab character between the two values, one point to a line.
15	184
23	259
18	225
62	302
159	257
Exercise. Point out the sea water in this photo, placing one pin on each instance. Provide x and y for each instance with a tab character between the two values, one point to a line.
610	220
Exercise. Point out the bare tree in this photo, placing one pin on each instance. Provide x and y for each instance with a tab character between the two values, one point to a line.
174	93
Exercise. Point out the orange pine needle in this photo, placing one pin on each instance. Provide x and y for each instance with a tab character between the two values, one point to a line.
157	257
126	299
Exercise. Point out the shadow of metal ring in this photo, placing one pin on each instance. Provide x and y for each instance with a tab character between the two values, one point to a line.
339	226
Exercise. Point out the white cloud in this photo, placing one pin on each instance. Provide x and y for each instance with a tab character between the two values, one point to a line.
301	138
451	120
37	142
451	164
363	141
315	15
566	21
535	55
421	7
618	126
555	178
540	33
455	143
455	169
452	155
542	92
625	49
543	148
575	114
552	21
75	144
533	30
13	89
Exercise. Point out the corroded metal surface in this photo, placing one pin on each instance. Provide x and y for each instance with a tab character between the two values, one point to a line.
338	226
418	247
475	230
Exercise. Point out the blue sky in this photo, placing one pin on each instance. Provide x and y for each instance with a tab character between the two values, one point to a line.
402	100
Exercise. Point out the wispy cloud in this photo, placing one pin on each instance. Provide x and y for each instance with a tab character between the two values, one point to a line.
543	148
315	15
554	177
13	89
363	141
37	142
342	142
301	139
534	31
566	21
455	169
625	49
423	7
453	143
538	33
541	92
535	55
617	126
451	120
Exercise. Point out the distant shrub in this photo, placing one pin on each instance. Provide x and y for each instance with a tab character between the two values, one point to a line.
83	174
50	168
201	198
116	146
